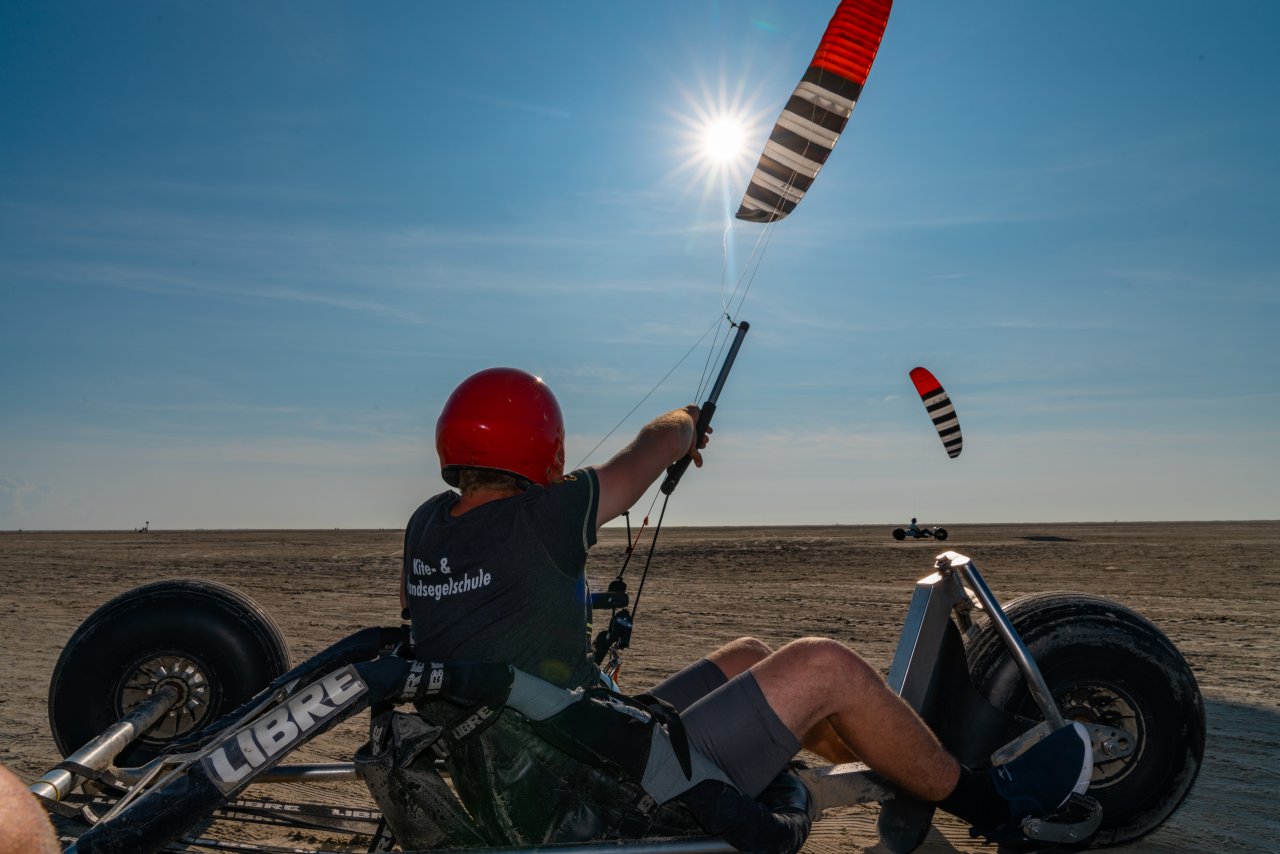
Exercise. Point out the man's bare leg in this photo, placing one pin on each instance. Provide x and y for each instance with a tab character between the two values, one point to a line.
812	680
744	653
821	689
822	740
739	656
24	826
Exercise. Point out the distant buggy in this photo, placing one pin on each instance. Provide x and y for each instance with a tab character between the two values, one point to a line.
917	533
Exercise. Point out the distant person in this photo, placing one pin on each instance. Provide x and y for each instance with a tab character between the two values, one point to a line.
24	826
914	528
511	551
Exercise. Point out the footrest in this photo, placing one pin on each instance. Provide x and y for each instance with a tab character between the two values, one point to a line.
1078	820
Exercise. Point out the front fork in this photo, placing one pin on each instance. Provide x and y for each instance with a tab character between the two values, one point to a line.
957	585
930	672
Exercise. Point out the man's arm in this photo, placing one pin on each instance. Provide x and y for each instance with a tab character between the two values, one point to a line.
660	443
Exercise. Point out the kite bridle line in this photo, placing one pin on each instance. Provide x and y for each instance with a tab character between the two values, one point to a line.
715	351
617	636
825	99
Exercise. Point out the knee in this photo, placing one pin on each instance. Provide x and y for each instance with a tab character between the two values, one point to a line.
750	647
836	661
739	655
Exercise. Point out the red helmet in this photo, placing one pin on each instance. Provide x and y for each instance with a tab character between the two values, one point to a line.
505	420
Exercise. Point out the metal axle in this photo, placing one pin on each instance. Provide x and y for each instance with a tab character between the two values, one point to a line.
102	751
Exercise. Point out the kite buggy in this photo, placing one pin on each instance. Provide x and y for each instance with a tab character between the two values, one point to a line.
171	699
915	532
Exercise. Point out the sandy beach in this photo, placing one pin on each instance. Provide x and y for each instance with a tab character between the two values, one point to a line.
1212	587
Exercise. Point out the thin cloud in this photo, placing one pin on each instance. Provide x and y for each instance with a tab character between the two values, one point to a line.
215	407
434	236
1043	323
19	496
156	280
156	449
508	104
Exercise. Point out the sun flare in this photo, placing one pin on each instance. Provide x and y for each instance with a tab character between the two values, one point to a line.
723	140
719	136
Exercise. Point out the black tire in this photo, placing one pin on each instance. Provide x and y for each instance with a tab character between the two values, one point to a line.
940	533
899	534
215	643
1107	665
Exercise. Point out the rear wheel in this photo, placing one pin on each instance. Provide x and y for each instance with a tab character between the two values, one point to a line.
899	534
1108	667
210	641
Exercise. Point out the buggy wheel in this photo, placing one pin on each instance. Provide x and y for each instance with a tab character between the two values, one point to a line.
899	534
1106	665
940	533
210	641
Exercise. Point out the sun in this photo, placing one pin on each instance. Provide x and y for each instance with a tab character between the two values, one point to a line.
716	143
718	135
723	140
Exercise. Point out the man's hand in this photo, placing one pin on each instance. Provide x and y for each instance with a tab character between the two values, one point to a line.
661	442
695	449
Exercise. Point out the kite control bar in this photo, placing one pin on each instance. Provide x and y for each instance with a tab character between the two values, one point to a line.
677	469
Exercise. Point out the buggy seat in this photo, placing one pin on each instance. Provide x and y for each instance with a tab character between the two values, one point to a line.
532	764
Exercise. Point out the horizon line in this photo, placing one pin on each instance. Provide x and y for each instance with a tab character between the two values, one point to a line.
610	525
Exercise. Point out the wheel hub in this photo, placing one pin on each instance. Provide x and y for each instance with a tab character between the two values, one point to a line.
1115	725
194	703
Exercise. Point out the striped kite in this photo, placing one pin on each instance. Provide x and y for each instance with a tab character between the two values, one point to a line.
817	112
938	405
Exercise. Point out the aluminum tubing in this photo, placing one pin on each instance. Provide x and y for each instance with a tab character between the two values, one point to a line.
102	751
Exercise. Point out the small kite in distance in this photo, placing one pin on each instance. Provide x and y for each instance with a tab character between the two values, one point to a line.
938	405
817	112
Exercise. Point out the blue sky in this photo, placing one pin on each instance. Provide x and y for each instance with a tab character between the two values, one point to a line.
247	249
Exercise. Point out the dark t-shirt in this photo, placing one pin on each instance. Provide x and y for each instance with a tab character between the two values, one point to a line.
506	581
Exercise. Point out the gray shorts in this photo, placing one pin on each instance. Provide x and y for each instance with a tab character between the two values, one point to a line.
730	723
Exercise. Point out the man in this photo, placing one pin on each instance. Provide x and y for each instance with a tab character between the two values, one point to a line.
496	573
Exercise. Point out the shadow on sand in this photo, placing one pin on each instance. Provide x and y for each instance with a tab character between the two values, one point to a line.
1231	807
